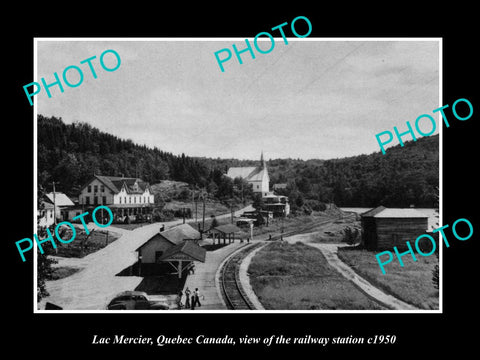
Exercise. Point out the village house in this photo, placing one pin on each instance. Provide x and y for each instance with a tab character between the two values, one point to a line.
45	215
62	204
383	228
276	204
126	197
54	208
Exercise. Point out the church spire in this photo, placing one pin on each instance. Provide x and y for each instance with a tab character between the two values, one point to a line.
262	161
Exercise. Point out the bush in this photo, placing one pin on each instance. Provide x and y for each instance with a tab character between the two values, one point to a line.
350	235
316	205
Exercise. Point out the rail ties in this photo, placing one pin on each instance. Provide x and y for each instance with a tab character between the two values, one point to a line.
233	293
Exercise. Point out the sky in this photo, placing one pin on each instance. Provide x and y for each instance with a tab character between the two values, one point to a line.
308	99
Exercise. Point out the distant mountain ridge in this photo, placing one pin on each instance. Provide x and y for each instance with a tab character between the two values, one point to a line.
71	153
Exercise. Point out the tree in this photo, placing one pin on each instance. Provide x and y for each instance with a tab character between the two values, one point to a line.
258	202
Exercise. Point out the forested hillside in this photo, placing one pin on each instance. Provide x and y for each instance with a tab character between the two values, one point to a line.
70	154
402	177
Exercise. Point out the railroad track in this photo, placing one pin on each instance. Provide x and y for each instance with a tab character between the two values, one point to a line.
233	293
310	227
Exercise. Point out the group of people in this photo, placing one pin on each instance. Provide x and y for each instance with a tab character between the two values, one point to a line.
191	299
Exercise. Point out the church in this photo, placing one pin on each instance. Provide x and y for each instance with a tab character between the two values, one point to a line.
255	175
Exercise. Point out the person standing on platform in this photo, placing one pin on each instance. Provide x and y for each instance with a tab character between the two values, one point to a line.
179	300
187	298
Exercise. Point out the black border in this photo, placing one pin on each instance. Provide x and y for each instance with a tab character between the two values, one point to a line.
430	333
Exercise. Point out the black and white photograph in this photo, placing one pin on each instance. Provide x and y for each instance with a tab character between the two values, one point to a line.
221	180
262	187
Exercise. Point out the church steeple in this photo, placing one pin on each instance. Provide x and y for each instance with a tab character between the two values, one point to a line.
263	163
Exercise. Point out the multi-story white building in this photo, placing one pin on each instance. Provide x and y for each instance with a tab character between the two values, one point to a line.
124	196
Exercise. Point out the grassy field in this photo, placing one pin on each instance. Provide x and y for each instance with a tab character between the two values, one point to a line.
411	283
297	277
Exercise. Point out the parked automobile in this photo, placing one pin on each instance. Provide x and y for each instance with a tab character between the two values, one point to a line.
137	300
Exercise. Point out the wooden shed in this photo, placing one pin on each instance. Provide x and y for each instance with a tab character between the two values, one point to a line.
384	228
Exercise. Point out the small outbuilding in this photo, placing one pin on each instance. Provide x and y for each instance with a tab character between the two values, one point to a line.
226	231
384	228
177	244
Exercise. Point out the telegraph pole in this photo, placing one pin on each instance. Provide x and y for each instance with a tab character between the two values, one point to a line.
203	220
54	207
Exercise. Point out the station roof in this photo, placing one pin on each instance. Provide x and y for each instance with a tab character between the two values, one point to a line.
187	250
175	235
227	228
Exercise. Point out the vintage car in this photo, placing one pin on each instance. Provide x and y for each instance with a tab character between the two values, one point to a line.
137	300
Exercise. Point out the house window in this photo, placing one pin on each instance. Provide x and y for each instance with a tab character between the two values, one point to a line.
124	199
104	199
87	200
258	186
134	199
89	189
120	199
130	199
102	188
95	200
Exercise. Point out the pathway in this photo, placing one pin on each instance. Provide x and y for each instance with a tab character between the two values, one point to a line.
330	253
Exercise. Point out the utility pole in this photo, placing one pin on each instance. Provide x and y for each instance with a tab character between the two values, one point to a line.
54	207
203	220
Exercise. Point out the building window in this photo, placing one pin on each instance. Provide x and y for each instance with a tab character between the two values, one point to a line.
134	199
104	199
258	186
89	189
95	188
120	199
87	200
144	199
102	188
124	199
130	199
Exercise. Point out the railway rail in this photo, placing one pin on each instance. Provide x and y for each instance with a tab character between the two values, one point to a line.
231	288
232	291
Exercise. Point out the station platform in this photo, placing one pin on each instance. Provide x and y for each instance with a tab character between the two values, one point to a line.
204	278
